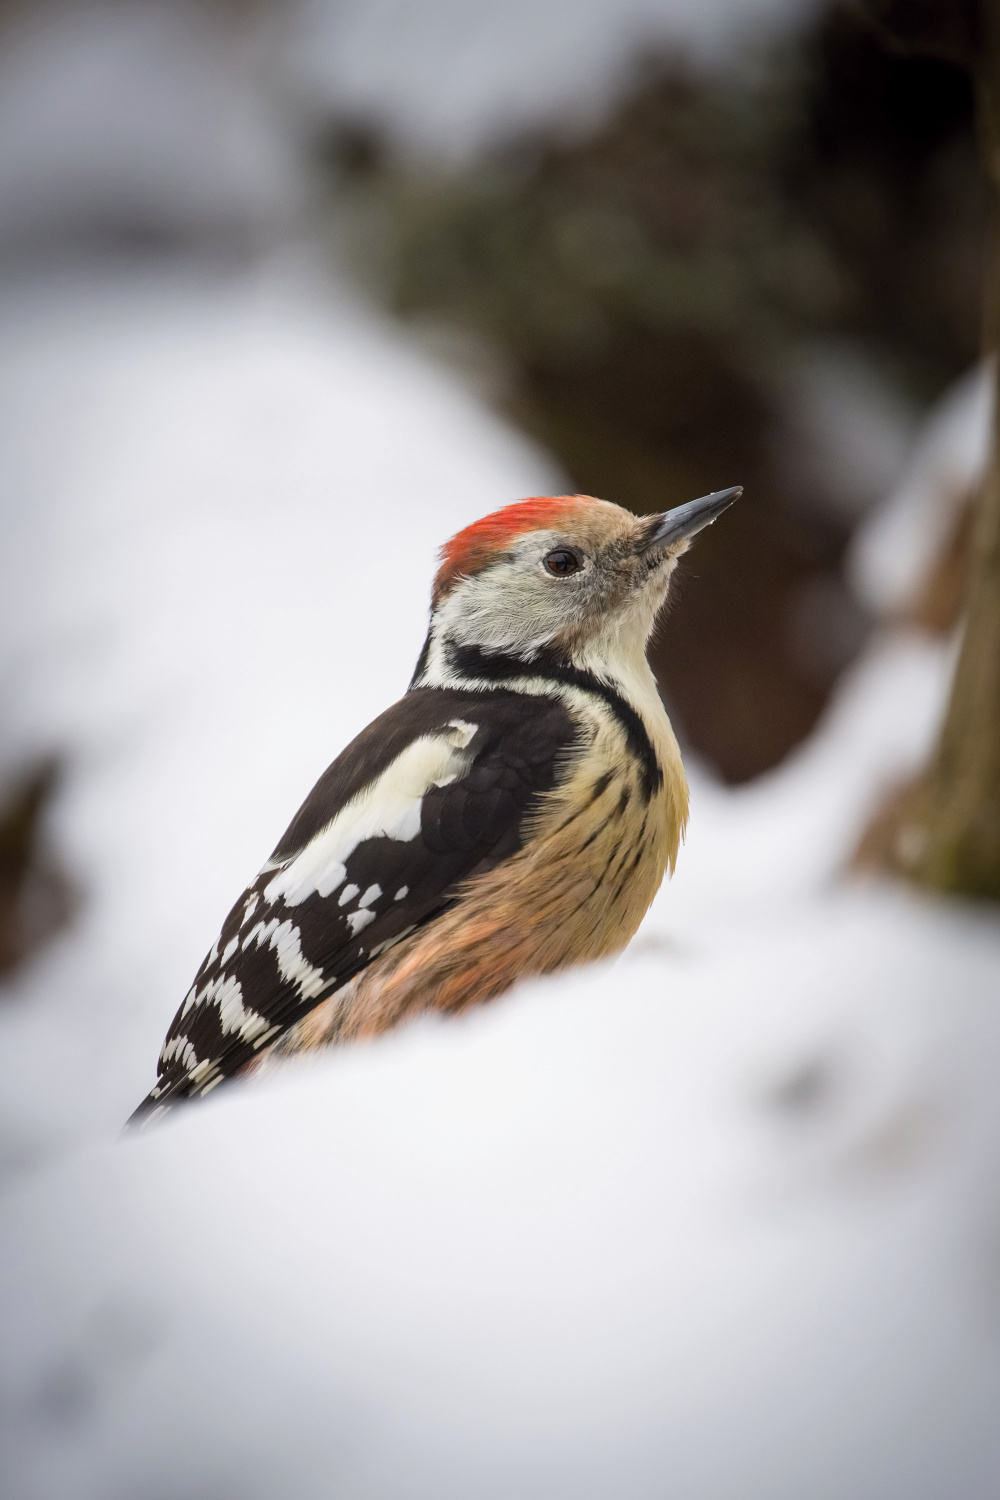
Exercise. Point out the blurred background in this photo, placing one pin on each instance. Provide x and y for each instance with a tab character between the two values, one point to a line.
289	291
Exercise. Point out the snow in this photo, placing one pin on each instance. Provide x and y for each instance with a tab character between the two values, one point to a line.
717	1219
724	1224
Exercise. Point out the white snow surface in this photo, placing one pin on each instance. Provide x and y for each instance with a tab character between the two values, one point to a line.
716	1221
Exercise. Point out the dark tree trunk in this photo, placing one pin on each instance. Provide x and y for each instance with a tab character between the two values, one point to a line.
945	830
962	804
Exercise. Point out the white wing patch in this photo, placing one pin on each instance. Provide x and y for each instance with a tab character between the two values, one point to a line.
295	968
225	993
179	1049
388	808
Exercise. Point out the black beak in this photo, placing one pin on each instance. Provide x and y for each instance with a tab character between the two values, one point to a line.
687	520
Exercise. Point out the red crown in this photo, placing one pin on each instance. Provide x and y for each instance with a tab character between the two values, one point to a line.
471	549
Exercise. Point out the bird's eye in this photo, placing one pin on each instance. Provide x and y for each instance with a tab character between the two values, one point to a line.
561	562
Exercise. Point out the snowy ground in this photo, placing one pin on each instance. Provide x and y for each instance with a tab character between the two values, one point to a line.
718	1221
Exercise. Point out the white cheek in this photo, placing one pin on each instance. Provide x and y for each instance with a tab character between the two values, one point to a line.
512	608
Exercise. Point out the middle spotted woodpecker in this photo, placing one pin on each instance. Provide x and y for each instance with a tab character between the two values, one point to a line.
514	813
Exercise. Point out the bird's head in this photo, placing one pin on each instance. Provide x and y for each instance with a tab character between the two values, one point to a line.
565	574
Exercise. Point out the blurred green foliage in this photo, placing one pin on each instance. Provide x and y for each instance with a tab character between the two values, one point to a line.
669	220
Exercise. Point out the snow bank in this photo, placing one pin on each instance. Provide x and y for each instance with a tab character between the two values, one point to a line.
714	1228
718	1220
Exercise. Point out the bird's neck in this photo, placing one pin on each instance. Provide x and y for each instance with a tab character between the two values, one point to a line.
615	661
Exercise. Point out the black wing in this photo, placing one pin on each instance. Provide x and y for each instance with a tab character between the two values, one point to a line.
285	946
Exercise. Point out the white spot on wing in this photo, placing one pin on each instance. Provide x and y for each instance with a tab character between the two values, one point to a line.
404	890
464	734
348	894
234	1014
224	992
286	940
388	808
358	920
204	1070
371	894
294	966
180	1049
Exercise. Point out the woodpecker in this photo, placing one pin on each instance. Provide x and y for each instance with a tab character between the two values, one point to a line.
514	813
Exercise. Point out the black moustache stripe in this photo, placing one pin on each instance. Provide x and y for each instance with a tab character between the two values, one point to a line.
473	662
